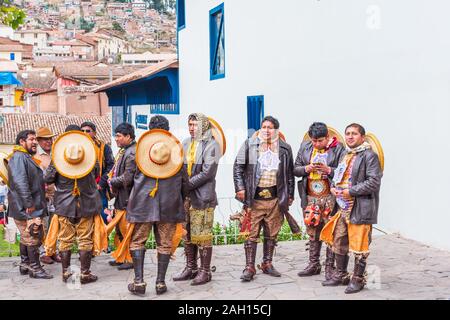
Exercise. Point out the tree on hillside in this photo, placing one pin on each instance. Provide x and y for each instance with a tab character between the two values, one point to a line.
11	15
117	27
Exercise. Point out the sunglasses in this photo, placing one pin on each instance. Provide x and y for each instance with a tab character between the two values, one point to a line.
87	130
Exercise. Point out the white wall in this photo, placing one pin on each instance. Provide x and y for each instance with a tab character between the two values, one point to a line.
384	64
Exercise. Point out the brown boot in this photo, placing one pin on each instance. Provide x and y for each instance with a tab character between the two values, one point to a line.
65	262
313	268
24	260
204	274
340	276
85	260
46	259
138	286
191	269
267	266
329	264
357	283
163	263
36	271
250	257
56	257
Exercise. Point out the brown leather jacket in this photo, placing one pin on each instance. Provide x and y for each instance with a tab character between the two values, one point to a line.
122	182
66	204
245	172
304	158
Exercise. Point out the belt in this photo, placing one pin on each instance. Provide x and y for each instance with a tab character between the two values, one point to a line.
268	193
318	188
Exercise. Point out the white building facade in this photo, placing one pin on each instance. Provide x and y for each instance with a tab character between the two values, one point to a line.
383	64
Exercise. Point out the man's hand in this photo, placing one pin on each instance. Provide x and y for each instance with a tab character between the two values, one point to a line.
240	195
309	168
346	194
334	191
291	201
323	168
99	187
30	210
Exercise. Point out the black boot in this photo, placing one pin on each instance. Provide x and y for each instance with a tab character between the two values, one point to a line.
357	283
204	275
163	263
329	264
126	266
85	260
65	262
191	269
267	266
24	260
313	268
36	271
250	257
340	276
138	286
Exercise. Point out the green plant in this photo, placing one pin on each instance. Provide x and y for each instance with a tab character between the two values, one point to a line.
6	249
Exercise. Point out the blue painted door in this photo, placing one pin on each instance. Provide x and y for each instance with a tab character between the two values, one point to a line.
255	113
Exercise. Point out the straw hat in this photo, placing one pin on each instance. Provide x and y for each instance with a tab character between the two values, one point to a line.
218	135
4	167
44	132
331	131
376	147
159	154
73	154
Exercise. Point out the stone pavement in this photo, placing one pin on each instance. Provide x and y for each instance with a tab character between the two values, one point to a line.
398	269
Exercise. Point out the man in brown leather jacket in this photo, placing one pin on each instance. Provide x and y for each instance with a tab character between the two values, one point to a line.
26	202
356	185
315	164
121	181
75	212
202	155
155	204
264	182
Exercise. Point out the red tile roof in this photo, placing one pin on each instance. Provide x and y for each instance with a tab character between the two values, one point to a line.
12	123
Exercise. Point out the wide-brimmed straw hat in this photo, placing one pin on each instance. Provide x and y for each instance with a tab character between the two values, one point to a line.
4	167
331	131
218	135
376	147
159	154
73	154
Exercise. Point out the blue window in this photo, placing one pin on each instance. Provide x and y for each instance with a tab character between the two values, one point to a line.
217	42
181	15
12	56
255	113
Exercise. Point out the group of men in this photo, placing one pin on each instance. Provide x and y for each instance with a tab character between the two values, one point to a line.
154	190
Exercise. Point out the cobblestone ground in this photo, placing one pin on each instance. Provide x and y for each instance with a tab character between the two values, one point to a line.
398	269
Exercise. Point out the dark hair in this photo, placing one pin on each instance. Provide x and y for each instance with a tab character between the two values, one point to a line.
318	130
90	125
72	127
274	121
360	128
23	135
126	129
159	122
192	117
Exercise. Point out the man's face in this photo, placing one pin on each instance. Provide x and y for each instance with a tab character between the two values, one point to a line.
30	144
320	143
121	140
193	128
45	144
89	131
268	130
353	138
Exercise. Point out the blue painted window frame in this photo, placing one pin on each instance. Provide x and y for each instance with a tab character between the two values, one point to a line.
181	14
254	124
214	38
12	56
